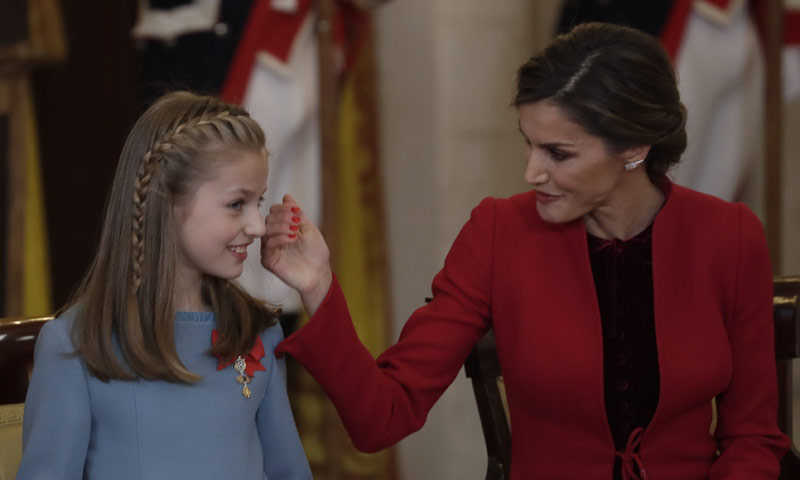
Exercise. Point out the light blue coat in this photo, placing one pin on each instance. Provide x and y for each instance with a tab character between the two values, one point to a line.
77	427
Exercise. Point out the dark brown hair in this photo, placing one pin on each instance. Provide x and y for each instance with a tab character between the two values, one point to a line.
127	293
618	84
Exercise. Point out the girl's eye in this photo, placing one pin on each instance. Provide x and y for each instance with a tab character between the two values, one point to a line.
260	200
237	205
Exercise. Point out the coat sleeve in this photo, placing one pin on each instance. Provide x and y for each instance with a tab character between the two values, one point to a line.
57	420
284	457
749	440
382	401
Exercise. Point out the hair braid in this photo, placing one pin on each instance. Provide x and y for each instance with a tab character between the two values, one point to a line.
141	184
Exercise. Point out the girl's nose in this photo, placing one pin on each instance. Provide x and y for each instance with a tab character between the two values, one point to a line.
255	226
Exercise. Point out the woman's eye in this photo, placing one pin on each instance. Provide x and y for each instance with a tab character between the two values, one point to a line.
237	205
558	155
260	200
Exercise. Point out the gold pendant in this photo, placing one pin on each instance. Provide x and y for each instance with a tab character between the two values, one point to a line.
241	366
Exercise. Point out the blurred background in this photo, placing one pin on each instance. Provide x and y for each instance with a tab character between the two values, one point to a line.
387	120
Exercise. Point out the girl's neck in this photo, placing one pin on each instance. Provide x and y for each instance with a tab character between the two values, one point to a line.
632	210
187	295
186	303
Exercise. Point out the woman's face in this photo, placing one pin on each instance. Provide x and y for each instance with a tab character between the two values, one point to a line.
573	172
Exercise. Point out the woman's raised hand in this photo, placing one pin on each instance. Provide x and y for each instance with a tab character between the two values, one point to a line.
295	251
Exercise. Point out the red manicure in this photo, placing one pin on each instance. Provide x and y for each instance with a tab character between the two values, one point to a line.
296	219
295	209
293	235
293	228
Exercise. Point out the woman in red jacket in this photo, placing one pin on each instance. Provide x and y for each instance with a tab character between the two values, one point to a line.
623	305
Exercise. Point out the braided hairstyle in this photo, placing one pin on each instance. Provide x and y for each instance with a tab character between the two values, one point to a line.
617	83
127	293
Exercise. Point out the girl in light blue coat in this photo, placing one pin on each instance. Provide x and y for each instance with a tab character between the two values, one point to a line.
162	366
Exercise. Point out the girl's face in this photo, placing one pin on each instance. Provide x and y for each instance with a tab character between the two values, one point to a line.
217	224
572	171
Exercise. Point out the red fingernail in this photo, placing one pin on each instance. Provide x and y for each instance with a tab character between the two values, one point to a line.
293	228
296	219
295	209
293	235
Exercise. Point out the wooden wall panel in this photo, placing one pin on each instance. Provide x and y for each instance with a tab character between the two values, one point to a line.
85	107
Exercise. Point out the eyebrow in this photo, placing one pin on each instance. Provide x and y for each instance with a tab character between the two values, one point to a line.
556	145
546	145
245	192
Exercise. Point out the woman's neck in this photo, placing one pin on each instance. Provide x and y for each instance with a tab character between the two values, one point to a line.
631	210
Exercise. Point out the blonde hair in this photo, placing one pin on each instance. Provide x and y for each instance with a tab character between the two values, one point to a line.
127	292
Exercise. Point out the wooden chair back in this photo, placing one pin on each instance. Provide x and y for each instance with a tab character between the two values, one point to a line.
483	368
17	339
786	314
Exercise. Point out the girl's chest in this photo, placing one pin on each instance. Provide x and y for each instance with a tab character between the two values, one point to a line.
157	406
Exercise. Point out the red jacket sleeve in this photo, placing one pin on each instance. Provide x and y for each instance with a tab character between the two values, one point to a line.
750	443
381	401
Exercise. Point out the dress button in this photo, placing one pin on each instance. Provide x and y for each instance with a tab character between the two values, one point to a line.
622	385
623	406
624	426
620	360
221	29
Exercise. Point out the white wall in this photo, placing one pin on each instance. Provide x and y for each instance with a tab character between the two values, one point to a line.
449	138
791	226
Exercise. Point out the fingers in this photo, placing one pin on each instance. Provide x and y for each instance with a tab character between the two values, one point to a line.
290	209
285	208
284	221
275	242
287	199
282	224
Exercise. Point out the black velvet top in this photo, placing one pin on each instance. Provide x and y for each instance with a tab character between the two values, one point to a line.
623	277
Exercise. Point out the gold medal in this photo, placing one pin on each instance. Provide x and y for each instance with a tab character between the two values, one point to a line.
241	365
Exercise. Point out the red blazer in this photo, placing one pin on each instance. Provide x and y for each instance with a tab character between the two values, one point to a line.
532	282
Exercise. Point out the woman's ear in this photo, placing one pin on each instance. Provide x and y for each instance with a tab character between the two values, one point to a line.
633	157
634	154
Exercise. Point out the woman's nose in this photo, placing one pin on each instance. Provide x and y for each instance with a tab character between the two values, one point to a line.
535	171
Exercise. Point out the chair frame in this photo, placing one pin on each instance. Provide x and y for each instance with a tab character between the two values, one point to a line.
786	315
483	368
18	338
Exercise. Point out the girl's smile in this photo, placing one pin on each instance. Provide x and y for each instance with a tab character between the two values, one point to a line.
239	251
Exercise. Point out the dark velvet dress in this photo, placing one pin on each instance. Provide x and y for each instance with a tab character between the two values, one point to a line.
623	277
